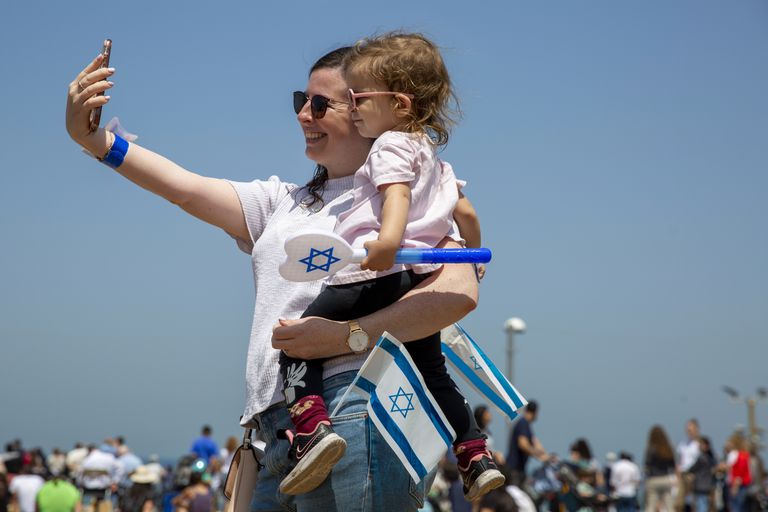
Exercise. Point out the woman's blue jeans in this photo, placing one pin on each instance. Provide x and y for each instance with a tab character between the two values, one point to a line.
701	500
738	501
368	478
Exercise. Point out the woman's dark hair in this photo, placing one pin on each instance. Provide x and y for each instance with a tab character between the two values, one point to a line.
581	446
479	412
659	445
315	186
195	477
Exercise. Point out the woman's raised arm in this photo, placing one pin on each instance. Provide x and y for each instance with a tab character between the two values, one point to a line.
209	199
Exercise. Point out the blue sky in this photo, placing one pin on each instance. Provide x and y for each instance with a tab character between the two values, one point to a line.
616	153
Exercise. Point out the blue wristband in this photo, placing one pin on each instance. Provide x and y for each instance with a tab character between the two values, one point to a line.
116	154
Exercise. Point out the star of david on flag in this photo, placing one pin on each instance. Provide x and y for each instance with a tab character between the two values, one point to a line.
309	261
407	400
469	361
402	408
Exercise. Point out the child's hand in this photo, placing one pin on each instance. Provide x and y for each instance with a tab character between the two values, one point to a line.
381	255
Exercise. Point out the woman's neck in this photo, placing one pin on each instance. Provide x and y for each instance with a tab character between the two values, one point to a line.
341	171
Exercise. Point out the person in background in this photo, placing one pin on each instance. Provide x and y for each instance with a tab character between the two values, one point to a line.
507	499
197	496
227	453
625	479
610	460
524	444
581	457
24	488
5	493
739	474
14	457
128	461
99	476
205	447
38	464
687	453
155	467
703	471
455	493
216	480
483	418
57	462
75	459
143	495
58	495
659	467
109	446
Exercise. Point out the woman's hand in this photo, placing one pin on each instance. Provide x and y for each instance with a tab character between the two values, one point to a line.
311	337
82	97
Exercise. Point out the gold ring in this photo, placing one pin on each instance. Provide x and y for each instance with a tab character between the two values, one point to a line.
80	85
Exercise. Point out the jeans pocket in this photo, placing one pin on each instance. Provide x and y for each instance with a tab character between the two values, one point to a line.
276	459
416	490
338	420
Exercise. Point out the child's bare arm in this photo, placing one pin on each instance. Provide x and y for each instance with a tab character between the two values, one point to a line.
466	217
394	217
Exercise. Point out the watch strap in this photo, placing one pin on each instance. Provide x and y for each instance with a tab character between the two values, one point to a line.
354	325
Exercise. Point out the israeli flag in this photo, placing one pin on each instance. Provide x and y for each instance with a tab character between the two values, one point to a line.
469	361
402	408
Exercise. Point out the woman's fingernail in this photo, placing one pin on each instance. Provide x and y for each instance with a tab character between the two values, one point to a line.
111	70
111	83
107	97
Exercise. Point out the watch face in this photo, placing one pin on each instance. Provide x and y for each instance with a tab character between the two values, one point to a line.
358	341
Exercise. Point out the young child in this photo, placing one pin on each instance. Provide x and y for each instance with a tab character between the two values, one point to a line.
400	94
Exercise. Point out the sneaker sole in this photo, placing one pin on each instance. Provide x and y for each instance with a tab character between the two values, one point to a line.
485	483
313	469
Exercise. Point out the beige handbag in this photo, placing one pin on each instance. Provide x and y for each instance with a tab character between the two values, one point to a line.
242	475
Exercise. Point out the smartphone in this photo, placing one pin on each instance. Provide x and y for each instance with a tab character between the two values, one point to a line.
106	50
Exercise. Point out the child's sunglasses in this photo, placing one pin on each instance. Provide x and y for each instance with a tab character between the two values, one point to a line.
352	96
318	105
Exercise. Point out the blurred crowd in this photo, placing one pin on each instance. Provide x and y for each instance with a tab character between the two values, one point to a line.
692	476
109	477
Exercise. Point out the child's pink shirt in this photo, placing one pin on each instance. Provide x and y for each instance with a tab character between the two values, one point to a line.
398	157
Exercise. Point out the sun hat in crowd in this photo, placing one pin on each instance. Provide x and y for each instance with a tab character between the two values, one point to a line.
143	475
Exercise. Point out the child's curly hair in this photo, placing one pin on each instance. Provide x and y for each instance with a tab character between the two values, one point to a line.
410	63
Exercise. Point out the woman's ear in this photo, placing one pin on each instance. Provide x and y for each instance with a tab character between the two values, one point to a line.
402	106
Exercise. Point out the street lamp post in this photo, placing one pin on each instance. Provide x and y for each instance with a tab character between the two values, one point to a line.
512	326
754	430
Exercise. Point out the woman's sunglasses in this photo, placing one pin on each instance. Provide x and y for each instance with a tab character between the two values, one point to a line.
318	105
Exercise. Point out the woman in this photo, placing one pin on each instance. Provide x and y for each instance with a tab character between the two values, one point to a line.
659	470
703	471
739	474
141	495
260	215
483	419
581	457
197	496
